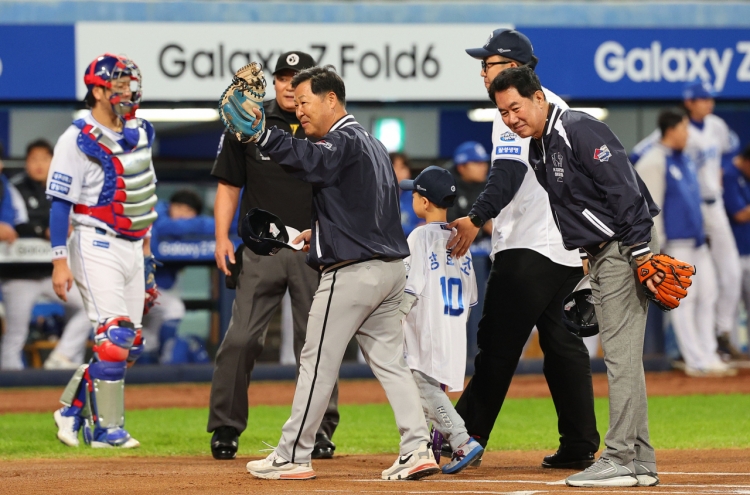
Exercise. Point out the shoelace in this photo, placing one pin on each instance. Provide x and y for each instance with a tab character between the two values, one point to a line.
270	448
599	465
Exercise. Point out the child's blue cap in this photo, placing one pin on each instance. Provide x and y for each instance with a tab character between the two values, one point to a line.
435	184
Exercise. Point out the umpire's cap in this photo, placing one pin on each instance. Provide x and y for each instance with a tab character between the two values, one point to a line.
508	43
295	61
578	310
265	234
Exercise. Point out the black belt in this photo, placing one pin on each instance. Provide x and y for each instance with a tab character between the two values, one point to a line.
342	264
101	231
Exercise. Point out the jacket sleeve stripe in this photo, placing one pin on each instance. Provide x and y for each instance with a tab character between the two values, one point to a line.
598	223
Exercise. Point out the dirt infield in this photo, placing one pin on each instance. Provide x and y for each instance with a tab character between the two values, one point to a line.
519	473
681	472
356	392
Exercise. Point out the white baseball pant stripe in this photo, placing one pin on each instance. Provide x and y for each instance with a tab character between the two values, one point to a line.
693	321
109	274
726	263
19	296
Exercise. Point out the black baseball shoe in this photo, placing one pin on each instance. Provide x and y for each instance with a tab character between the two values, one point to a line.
565	460
224	443
324	447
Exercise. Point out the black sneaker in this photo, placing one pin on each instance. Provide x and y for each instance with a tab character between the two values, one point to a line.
324	447
224	443
564	460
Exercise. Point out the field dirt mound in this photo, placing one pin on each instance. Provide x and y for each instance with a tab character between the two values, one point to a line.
355	391
684	472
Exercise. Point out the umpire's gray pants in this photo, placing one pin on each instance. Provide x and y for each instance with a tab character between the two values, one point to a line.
262	283
621	308
359	299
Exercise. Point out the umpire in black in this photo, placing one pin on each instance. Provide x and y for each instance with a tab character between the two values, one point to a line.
261	281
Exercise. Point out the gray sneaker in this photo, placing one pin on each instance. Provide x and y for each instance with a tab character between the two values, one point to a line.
604	472
645	472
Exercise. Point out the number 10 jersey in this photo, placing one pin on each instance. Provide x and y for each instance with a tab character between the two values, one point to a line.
446	287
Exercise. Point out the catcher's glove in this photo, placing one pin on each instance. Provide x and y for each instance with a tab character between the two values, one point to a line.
676	281
149	268
236	105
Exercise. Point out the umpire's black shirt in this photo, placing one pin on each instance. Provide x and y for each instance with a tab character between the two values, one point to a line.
356	212
266	184
593	189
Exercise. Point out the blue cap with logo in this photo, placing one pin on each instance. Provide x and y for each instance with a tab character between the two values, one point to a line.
435	184
508	43
470	151
697	89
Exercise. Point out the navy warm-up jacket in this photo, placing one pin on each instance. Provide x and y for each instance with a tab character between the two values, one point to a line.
355	195
595	194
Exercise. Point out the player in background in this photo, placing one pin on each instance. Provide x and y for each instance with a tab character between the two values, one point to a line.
402	169
24	283
737	204
102	171
712	146
181	219
471	165
671	177
439	292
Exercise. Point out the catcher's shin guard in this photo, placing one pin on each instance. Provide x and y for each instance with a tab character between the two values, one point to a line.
105	379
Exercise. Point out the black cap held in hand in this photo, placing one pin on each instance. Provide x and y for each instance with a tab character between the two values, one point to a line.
507	43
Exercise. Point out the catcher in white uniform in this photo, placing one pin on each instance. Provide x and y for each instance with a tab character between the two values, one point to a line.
102	170
439	291
711	145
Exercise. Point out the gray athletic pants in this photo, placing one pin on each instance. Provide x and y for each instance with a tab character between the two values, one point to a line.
262	283
621	309
359	299
439	410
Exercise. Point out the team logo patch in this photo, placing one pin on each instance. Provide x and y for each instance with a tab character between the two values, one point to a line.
508	136
327	145
54	186
62	178
602	154
101	244
508	150
292	59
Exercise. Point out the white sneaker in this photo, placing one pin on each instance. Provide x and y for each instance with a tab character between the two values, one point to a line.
57	361
274	467
67	428
720	368
414	465
645	473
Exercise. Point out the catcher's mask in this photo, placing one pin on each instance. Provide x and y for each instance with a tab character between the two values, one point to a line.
578	310
265	234
108	68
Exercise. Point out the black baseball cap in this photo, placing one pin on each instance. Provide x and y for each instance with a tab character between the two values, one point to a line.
295	60
435	184
508	43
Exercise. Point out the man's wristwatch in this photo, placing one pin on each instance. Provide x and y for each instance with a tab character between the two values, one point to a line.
475	220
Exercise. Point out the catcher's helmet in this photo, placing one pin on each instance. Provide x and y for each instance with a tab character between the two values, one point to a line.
108	67
578	310
265	234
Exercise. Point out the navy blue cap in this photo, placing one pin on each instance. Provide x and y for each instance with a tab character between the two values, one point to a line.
435	184
508	43
697	89
470	151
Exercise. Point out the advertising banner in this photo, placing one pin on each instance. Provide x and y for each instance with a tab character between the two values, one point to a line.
641	64
37	62
378	62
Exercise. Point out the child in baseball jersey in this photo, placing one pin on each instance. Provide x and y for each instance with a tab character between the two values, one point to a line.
439	291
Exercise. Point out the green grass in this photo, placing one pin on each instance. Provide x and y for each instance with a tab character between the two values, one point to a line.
687	422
